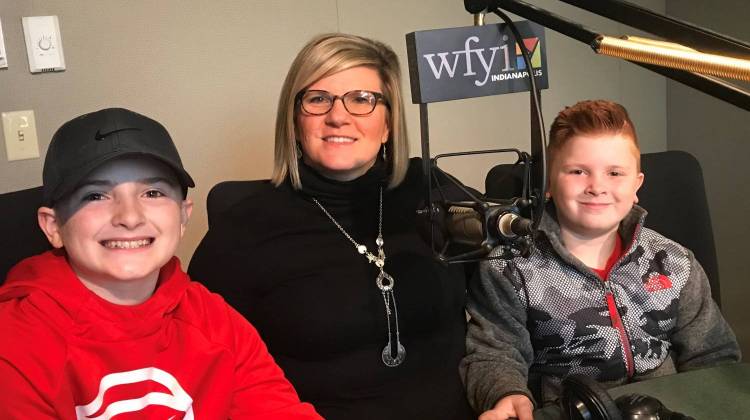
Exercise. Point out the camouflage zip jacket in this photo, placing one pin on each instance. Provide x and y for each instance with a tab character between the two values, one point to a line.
534	321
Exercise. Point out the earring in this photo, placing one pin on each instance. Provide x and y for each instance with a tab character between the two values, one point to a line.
385	153
299	148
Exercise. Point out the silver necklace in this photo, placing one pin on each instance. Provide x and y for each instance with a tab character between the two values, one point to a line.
393	353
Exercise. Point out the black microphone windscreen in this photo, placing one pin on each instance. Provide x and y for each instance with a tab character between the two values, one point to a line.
475	6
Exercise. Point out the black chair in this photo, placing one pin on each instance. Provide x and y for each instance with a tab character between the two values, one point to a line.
20	236
504	181
227	193
220	199
673	193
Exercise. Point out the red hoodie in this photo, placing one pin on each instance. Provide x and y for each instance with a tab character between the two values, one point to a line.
66	353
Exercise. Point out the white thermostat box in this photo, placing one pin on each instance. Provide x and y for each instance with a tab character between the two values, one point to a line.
43	44
3	54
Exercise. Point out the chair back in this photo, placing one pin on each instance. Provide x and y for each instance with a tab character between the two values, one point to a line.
674	194
226	194
20	236
504	181
220	199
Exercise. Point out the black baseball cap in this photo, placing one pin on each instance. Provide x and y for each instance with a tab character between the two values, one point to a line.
84	143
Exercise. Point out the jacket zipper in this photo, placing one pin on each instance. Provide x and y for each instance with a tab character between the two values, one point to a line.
614	314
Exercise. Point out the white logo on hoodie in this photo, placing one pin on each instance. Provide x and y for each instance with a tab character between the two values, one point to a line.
178	400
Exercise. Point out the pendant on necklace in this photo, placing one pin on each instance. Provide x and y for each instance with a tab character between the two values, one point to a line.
391	361
385	282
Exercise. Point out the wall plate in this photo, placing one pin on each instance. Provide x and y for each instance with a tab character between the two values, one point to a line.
43	44
21	141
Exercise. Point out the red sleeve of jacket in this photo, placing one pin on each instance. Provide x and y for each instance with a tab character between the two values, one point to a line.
31	362
261	391
19	399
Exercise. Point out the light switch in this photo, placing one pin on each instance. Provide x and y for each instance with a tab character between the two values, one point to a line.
19	128
3	54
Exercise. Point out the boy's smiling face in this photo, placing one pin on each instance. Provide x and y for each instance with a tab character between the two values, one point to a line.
120	226
593	182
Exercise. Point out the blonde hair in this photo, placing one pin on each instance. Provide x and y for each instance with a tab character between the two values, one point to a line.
321	57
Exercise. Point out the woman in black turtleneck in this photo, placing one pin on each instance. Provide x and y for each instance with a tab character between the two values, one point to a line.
361	334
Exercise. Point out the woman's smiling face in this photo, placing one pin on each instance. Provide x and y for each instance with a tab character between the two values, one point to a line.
337	144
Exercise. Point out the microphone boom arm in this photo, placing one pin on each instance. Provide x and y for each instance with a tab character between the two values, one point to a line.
632	15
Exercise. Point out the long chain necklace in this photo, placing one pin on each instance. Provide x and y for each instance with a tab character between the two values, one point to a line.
394	352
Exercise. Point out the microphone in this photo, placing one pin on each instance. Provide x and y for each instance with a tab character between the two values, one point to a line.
475	6
511	225
469	226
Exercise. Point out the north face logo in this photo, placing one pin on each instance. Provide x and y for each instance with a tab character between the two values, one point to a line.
658	282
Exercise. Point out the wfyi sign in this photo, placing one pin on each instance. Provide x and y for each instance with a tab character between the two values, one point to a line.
473	61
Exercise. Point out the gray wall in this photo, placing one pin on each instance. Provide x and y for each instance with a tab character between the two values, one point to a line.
211	72
718	134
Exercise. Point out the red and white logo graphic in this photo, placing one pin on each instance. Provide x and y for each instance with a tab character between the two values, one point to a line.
658	282
177	399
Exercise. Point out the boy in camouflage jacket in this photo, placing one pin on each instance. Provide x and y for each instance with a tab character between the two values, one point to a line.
601	295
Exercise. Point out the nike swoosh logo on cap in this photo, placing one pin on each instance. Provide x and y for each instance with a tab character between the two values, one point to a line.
100	136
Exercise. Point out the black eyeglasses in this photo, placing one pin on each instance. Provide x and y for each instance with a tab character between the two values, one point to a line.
356	102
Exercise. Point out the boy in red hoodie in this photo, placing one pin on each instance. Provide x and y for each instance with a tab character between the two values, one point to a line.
107	325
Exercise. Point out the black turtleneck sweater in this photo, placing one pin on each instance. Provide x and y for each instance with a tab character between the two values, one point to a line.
277	259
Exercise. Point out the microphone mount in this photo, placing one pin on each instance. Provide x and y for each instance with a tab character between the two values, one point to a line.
480	224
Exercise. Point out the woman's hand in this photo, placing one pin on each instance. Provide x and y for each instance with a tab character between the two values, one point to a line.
513	406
